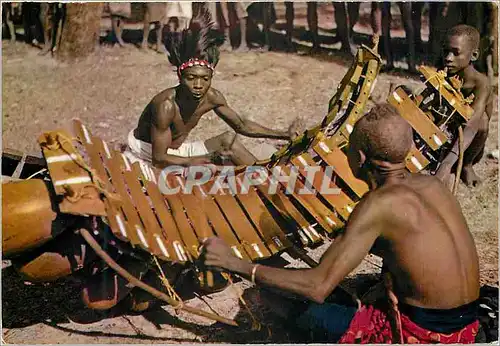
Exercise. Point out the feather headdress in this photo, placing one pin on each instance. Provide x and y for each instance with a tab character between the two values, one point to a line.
198	44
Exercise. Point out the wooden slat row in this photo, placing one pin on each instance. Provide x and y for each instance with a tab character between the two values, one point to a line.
219	223
333	156
429	132
233	213
186	232
144	218
323	214
307	233
339	201
130	216
416	161
172	237
365	90
262	219
95	150
122	220
61	165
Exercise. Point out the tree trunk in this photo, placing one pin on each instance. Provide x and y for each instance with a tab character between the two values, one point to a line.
80	33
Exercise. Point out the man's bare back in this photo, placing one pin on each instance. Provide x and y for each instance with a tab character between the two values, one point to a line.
423	237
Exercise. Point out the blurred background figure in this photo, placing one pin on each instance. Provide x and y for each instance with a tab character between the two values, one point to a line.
222	13
11	12
175	14
261	17
31	13
52	18
118	12
412	34
346	16
179	14
312	24
156	14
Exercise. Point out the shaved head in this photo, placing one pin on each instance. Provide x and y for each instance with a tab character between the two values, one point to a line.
382	134
469	32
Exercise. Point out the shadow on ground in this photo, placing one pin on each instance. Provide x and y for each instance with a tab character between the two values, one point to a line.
26	304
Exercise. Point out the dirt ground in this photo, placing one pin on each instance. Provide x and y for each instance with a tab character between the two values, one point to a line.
108	91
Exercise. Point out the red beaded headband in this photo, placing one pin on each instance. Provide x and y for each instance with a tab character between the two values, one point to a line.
194	62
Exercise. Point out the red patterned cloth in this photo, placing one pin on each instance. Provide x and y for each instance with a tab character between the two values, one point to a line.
373	326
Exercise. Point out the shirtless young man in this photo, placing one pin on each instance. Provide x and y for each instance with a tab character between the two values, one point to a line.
461	49
171	115
413	222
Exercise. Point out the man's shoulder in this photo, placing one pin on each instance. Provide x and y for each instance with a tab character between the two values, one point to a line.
401	193
164	98
386	192
216	97
378	199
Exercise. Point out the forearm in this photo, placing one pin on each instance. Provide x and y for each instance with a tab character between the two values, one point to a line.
253	129
300	281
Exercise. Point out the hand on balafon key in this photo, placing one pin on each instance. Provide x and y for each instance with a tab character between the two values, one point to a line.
210	279
218	255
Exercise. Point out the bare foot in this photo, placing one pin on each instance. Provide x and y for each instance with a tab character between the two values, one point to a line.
121	43
144	45
161	50
265	48
226	47
469	177
242	49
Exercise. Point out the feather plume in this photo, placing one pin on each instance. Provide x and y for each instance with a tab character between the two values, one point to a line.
200	41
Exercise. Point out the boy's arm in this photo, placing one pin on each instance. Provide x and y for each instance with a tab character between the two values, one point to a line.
161	139
344	255
244	126
481	94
